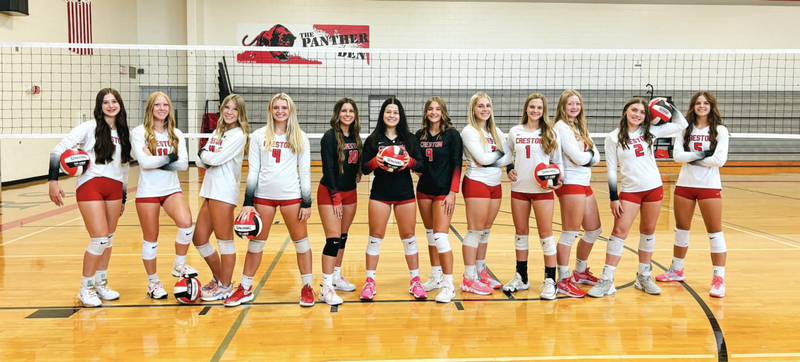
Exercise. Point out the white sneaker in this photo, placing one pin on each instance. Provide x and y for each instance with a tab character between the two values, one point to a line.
603	288
340	283
647	284
88	297
219	293
516	284
446	294
184	271
104	292
717	287
548	289
435	282
328	295
156	291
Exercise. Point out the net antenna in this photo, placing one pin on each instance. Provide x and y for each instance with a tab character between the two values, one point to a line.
224	80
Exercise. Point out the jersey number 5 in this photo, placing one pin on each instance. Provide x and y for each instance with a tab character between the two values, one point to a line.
698	146
276	153
639	149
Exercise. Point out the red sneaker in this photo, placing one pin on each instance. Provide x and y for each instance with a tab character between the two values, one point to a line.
417	290
487	279
240	296
307	296
568	288
586	277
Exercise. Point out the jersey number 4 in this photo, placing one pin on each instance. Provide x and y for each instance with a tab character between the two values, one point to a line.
276	153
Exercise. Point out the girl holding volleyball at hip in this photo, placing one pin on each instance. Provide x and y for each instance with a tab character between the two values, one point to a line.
222	157
392	188
279	177
101	190
630	147
337	199
703	149
440	180
160	149
486	153
535	145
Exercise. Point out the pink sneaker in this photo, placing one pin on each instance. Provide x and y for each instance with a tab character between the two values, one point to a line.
586	278
369	291
417	290
475	287
717	287
487	279
671	276
568	288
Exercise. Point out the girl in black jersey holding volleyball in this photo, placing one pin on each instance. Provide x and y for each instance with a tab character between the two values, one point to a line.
392	188
340	149
442	149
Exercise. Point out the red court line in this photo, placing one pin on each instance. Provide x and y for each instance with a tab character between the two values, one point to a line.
44	215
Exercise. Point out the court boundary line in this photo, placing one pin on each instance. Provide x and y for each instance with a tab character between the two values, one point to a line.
549	358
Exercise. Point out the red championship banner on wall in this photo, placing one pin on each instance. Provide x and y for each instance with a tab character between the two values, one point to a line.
349	38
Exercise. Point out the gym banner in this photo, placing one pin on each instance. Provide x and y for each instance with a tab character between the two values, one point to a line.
349	38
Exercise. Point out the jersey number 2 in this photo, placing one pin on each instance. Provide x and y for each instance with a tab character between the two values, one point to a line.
639	149
276	153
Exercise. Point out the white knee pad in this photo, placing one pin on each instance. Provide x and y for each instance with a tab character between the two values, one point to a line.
302	246
226	247
521	242
568	238
647	243
549	246
256	246
185	235
97	246
374	246
682	238
718	243
431	237
442	241
110	240
149	250
472	239
205	250
615	246
410	245
485	236
592	235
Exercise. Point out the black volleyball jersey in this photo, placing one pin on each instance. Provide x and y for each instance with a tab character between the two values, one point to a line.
443	155
332	178
391	186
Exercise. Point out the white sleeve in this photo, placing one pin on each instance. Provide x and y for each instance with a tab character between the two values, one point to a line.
557	157
720	155
475	149
611	165
74	137
229	151
304	171
508	154
571	147
511	139
182	164
670	129
146	162
679	155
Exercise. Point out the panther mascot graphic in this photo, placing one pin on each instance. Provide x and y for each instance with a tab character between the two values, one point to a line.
277	36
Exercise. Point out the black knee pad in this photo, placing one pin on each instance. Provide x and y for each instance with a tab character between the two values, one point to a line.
343	242
331	247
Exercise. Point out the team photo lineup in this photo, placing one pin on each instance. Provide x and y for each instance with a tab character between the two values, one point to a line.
548	156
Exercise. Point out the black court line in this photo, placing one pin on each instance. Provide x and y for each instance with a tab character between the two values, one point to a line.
334	308
205	310
243	314
458	305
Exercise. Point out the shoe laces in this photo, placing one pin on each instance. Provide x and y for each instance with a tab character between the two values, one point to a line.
717	281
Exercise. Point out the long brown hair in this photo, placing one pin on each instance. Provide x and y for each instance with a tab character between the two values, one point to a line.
581	126
355	129
243	122
714	119
104	145
549	143
622	137
445	123
149	122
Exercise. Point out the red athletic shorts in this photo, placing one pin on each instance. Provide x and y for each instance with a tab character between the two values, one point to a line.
276	203
480	190
574	190
346	197
424	196
656	194
524	196
694	193
99	189
156	200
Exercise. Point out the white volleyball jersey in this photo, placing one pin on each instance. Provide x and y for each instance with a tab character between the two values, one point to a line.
278	173
704	173
157	176
485	162
637	163
82	137
223	156
577	161
528	153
